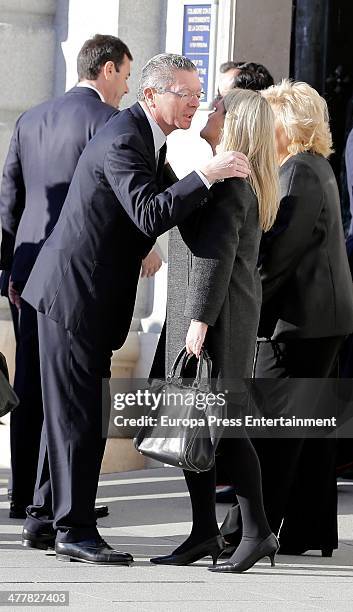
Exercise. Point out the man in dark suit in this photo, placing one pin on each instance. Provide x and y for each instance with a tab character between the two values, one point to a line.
46	145
349	172
83	285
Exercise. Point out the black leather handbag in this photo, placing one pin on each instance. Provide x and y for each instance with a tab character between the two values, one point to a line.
8	398
188	442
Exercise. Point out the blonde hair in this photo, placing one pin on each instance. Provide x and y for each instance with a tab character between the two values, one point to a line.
249	128
304	116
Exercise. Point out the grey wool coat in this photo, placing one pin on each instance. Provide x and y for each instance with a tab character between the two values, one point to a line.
213	278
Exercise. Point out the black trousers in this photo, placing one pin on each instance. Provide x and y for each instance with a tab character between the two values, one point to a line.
299	475
27	419
73	367
158	366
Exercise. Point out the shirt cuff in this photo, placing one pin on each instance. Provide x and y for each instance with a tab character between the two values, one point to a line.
203	179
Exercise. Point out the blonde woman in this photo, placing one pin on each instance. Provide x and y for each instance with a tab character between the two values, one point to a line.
307	311
223	300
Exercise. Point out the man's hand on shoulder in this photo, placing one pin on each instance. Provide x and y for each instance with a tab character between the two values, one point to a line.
151	264
226	164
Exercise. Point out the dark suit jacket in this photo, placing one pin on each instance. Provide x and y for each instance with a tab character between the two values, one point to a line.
349	172
306	282
89	266
216	280
44	150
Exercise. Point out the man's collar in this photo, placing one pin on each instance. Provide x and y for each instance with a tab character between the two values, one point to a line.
89	86
159	136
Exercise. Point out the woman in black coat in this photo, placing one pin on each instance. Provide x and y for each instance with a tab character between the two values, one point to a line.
306	313
223	299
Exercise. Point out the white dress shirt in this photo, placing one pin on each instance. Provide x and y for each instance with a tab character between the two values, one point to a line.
159	138
89	86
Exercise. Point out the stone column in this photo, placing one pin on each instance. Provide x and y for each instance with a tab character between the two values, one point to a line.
142	25
27	43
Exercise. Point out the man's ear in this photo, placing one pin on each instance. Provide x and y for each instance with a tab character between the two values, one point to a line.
149	93
108	70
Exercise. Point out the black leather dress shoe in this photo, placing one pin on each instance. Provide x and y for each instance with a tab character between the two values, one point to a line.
212	547
19	512
101	511
43	541
91	551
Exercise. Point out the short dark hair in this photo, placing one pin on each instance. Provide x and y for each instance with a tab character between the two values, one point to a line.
253	76
96	52
229	66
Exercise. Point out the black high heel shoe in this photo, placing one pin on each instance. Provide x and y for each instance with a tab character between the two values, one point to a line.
212	547
267	548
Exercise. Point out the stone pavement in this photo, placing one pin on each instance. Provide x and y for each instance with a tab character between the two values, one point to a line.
149	515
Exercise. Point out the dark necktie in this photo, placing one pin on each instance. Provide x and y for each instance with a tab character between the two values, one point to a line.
161	162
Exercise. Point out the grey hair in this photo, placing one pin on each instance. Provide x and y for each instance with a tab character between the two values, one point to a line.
159	71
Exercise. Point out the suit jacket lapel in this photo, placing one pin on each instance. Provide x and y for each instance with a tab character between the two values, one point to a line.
147	135
144	128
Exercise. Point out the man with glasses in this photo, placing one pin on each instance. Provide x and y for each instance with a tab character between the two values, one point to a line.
83	286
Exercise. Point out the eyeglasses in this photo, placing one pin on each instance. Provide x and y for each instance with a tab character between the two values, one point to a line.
185	96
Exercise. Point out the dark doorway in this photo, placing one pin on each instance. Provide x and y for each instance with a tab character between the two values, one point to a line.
322	55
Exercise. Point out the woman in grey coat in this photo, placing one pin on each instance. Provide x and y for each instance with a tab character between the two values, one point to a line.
223	298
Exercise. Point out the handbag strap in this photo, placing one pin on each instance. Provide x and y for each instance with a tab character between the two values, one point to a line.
182	355
204	358
177	360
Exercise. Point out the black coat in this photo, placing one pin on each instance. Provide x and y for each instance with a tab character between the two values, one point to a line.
44	150
89	266
306	281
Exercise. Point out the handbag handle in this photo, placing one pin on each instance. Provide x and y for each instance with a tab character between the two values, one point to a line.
182	353
204	356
